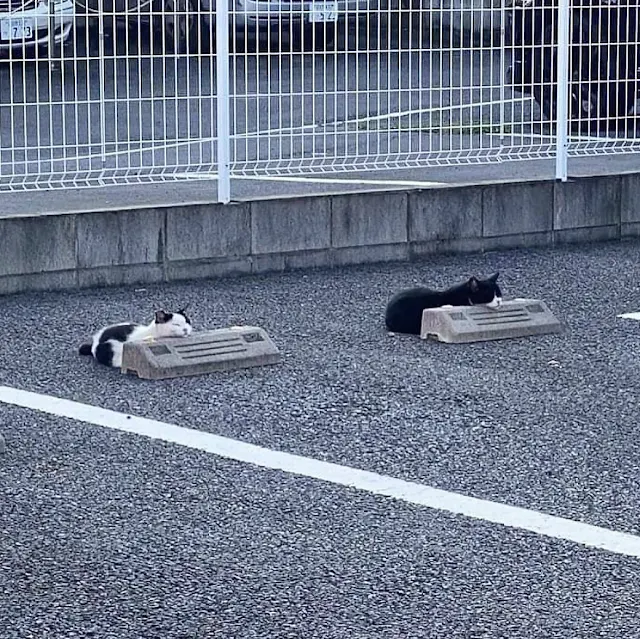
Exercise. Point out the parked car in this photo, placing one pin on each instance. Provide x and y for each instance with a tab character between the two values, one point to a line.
29	24
603	64
183	26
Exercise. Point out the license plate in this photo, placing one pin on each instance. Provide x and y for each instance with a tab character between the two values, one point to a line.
12	29
324	12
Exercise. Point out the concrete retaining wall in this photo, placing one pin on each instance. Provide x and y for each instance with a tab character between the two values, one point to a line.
165	244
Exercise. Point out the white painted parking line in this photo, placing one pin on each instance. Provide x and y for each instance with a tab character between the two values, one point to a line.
633	316
414	493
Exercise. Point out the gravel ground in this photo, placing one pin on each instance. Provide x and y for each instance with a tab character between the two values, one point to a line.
119	537
124	531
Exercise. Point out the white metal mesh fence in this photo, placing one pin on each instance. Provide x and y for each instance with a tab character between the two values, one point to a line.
127	91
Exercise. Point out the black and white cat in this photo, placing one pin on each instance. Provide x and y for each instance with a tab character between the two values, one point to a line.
107	344
404	310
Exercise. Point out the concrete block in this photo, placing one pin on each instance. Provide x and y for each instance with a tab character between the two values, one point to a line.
205	269
587	202
120	237
371	254
274	262
37	244
120	275
308	259
517	241
296	224
463	324
630	230
512	209
207	352
630	198
595	234
445	214
56	281
444	247
208	231
366	219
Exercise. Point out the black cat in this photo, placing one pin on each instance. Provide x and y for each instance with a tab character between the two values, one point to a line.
404	311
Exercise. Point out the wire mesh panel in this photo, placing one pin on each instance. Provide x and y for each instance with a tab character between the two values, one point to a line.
333	85
120	91
96	92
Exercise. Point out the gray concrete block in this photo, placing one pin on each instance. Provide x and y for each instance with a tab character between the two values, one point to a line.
297	224
3	445
205	269
511	209
630	198
523	240
37	244
366	219
56	281
442	247
120	237
445	214
206	231
594	234
120	275
587	202
371	254
631	229
308	259
274	262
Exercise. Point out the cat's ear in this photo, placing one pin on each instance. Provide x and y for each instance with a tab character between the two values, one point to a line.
161	317
494	277
184	309
473	284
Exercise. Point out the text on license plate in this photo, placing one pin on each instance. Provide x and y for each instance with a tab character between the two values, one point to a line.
324	12
16	29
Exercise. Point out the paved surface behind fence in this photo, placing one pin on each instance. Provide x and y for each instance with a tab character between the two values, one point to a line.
112	535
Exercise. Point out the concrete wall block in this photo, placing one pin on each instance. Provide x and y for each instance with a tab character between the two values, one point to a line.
208	231
631	229
120	275
54	281
365	219
268	263
308	259
517	241
205	269
592	234
445	214
630	198
371	254
37	244
587	202
443	247
297	224
510	209
116	238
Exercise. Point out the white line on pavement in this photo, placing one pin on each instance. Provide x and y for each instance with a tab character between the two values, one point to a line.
414	493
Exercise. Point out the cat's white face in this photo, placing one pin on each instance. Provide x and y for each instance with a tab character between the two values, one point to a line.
176	326
496	302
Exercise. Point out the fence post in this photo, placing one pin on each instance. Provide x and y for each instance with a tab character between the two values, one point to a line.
223	100
562	88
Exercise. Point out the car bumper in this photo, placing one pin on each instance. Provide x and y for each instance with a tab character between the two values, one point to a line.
27	29
257	12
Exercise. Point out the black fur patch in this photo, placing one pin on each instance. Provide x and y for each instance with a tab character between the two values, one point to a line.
119	332
85	349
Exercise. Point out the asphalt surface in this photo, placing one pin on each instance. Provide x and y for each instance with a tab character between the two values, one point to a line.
111	535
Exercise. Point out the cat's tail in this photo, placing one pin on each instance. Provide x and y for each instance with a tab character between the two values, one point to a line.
85	349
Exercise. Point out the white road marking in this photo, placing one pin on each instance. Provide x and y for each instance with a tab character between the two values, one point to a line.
633	316
414	493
